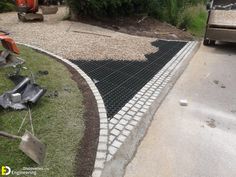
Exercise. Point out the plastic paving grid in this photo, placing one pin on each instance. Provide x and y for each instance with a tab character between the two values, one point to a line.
118	81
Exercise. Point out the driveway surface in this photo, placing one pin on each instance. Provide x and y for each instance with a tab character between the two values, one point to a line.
74	40
198	140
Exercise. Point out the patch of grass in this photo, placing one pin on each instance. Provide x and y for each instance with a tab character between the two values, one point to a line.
58	121
194	20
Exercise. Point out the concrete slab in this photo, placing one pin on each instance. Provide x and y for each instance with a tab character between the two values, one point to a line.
198	140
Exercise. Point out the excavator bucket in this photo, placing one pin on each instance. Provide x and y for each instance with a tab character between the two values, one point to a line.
30	17
9	44
6	56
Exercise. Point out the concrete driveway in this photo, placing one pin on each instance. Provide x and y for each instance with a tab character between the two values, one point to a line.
198	140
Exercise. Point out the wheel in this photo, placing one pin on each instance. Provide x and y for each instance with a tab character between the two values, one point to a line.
212	42
206	42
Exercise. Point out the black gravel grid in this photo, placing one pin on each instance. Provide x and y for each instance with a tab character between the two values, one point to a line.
118	81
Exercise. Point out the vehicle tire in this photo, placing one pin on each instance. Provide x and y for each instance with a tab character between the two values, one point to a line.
212	42
206	42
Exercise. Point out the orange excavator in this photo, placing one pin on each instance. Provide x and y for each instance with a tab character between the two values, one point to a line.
27	10
7	56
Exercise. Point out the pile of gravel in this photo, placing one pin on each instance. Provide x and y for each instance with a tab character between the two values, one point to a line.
74	40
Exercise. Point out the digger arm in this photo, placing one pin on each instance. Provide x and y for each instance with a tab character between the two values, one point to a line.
8	43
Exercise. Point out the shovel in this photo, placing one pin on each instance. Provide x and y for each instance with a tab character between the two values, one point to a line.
30	145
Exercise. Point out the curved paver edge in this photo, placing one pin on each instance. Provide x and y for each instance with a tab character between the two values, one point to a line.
103	133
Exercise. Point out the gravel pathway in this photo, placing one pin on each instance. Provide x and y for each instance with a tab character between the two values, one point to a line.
74	40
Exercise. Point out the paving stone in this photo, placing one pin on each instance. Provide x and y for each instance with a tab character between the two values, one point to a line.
121	112
97	173
111	126
112	150
127	117
128	105
137	106
138	118
134	109
125	109
103	126
101	155
114	121
129	127
103	115
121	138
115	132
141	102
133	122
117	144
99	164
102	146
118	116
145	106
123	122
103	139
111	138
132	102
126	132
132	113
119	127
103	132
109	157
143	110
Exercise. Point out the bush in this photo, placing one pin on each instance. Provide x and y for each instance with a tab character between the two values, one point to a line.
6	6
193	19
176	12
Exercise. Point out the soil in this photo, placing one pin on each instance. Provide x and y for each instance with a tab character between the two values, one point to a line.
86	155
140	26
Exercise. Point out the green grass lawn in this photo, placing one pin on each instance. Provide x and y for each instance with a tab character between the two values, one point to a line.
58	121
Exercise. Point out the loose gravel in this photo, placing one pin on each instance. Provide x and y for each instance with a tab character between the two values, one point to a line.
75	40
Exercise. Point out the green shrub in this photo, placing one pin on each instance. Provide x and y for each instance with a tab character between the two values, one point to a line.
193	19
6	6
176	12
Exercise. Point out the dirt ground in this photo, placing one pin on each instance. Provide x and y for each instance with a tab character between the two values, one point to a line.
141	26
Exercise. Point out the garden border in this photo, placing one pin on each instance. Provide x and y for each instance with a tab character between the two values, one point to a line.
101	153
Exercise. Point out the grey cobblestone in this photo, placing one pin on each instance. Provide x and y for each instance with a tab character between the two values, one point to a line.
115	132
129	127
112	150
118	116
138	118
126	132
132	113
134	109
119	127
114	120
127	117
101	155
121	138
123	122
133	122
111	138
117	144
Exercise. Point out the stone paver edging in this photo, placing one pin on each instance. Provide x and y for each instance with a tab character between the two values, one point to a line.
129	125
103	134
119	138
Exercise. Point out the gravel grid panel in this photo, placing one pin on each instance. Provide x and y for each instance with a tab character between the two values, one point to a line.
119	81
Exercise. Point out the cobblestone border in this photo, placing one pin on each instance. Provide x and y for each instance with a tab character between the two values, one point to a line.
103	135
129	125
